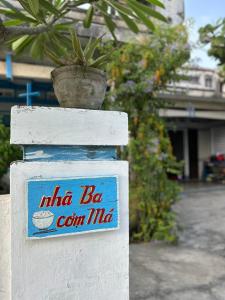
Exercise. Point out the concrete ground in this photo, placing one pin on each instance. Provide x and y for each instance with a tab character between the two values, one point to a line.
195	268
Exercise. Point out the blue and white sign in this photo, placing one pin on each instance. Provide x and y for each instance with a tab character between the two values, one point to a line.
73	205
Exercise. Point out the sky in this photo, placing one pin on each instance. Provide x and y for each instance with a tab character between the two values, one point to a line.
203	12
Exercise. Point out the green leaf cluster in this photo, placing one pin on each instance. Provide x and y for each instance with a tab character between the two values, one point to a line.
34	16
73	53
8	153
214	35
50	24
33	12
132	12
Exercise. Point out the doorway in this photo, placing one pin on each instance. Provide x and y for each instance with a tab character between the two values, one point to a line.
177	142
193	153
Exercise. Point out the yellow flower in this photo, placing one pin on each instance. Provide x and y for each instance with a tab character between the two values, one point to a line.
124	58
140	135
116	72
135	120
162	70
145	63
157	76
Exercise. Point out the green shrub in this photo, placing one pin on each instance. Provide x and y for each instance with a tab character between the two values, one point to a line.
8	153
152	193
137	73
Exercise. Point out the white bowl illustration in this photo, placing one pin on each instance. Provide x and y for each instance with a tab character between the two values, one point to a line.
43	219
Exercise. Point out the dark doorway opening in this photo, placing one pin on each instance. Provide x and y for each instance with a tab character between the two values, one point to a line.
193	153
177	142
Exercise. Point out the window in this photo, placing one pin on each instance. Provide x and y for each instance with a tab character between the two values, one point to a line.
208	81
193	79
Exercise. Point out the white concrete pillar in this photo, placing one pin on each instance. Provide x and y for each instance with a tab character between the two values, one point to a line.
5	211
69	148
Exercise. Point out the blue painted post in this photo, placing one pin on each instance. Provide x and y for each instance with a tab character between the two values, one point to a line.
8	62
29	90
29	94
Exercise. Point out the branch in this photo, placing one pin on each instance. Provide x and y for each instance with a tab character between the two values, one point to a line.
22	30
7	33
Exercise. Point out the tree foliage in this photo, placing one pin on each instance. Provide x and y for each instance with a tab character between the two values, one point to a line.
38	25
137	73
8	153
214	35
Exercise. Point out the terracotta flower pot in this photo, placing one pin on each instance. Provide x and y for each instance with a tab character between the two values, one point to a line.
79	87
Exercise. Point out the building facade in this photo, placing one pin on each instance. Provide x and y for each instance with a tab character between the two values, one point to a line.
196	119
175	11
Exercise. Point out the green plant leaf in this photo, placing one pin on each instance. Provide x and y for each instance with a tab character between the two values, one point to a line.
142	16
100	60
14	22
9	5
37	47
157	3
20	44
64	40
103	8
26	6
149	11
62	26
120	8
53	57
37	15
77	46
130	23
59	45
34	6
89	15
49	7
91	47
58	3
111	25
15	14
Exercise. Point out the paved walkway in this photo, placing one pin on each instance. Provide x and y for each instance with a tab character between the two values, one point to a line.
193	270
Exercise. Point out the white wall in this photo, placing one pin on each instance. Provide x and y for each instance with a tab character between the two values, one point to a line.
218	140
198	89
174	10
5	209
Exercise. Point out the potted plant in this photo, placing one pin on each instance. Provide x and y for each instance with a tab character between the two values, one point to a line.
79	80
41	28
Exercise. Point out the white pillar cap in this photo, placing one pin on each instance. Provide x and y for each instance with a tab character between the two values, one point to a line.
67	126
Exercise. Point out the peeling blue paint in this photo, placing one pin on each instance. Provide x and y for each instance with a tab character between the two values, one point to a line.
69	153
